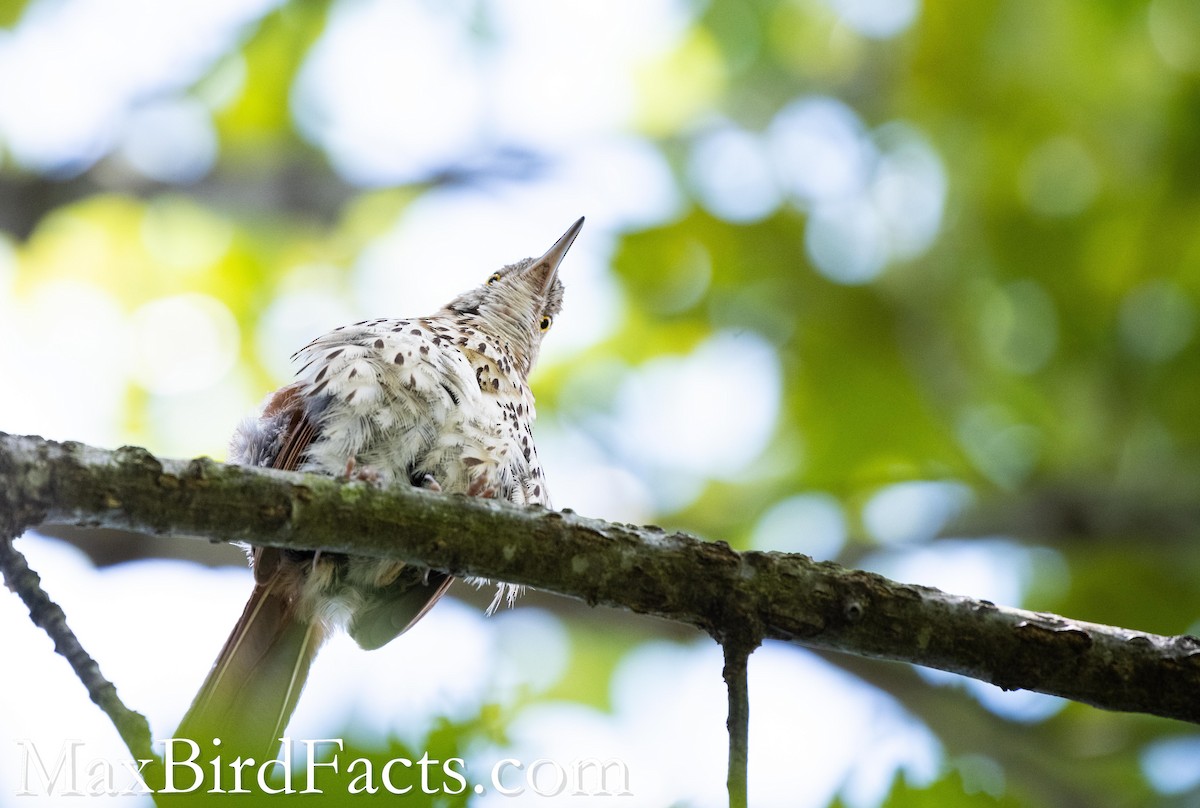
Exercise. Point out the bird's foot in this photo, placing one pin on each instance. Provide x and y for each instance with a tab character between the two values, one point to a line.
366	474
480	487
427	482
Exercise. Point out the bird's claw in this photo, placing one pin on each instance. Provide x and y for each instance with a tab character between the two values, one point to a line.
479	487
366	474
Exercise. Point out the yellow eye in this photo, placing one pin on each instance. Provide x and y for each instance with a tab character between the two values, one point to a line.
545	323
495	277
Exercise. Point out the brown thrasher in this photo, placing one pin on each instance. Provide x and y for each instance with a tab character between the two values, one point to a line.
441	402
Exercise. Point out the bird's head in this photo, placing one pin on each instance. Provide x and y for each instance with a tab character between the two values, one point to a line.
518	303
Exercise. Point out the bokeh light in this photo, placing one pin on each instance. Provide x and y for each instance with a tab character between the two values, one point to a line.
733	177
79	54
1157	321
876	18
706	414
914	511
813	524
873	197
1171	764
183	343
170	141
1059	178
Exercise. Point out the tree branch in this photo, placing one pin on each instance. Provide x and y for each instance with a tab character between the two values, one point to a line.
295	183
48	616
737	659
704	584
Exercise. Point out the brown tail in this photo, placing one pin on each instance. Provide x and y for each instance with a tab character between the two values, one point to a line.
252	689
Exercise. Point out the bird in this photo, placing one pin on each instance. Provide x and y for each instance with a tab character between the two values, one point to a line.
441	402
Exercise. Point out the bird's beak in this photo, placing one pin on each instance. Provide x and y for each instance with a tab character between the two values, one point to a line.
545	269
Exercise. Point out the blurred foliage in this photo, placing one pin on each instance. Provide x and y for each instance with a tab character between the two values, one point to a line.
950	790
1044	343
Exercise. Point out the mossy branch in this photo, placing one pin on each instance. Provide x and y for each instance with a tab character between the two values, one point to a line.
643	569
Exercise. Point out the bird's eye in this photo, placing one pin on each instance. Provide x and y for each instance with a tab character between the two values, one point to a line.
545	323
495	277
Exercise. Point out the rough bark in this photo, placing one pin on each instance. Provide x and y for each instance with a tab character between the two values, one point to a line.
643	569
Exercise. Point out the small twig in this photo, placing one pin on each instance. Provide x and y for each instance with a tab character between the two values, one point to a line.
47	615
737	655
